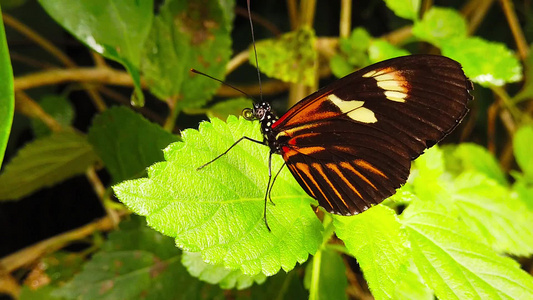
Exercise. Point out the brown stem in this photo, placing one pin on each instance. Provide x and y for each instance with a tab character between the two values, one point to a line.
100	191
29	255
27	106
476	10
518	34
9	285
38	39
258	20
294	18
52	77
345	24
237	61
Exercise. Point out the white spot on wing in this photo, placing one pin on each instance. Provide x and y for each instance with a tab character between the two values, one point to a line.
354	109
395	96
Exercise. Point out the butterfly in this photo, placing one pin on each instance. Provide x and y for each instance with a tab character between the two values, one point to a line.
350	144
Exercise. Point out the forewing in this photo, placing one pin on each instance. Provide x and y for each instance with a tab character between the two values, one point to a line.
350	144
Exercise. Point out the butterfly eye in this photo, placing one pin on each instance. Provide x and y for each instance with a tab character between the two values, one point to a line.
248	114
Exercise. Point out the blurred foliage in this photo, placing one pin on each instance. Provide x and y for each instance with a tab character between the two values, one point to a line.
118	105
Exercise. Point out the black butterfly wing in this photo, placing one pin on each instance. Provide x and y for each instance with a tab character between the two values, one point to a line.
351	143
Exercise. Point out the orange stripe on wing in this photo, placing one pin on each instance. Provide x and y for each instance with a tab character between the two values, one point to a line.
305	168
310	112
349	167
336	169
318	167
366	165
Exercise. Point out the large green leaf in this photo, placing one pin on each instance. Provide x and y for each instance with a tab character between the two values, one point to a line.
217	274
291	57
440	25
497	218
486	63
185	35
137	262
7	100
218	210
325	276
376	240
45	162
472	157
116	29
454	264
127	142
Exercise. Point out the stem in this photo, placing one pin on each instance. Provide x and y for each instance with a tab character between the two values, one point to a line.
29	255
38	39
307	13
100	191
345	25
53	77
317	258
25	105
518	34
293	14
175	109
237	60
315	276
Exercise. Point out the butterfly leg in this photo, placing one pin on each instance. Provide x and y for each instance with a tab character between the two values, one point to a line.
267	194
274	181
227	150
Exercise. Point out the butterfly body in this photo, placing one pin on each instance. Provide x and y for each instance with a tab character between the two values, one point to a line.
350	144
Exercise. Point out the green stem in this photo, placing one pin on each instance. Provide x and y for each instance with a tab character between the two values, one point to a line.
175	110
317	258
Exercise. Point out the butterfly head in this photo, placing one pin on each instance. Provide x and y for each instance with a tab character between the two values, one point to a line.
259	112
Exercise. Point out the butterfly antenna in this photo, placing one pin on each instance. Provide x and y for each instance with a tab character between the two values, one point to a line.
224	83
255	52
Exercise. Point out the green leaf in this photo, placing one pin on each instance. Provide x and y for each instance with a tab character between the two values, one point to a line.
380	50
218	210
453	264
326	276
291	57
136	262
62	266
42	293
486	63
185	35
45	162
426	178
524	189
229	107
522	141
217	274
407	9
282	286
376	240
7	99
412	286
359	41
116	29
59	108
127	142
440	25
340	66
228	7
495	217
472	157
